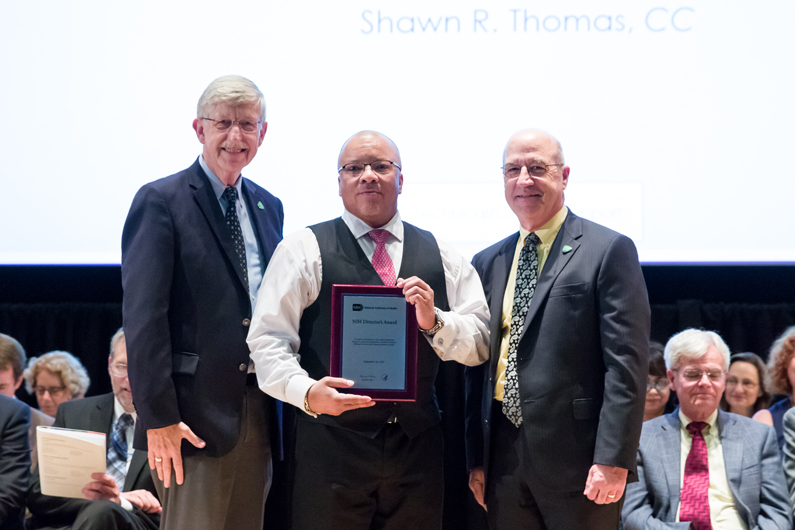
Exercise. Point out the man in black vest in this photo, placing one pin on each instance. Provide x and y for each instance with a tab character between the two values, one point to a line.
362	464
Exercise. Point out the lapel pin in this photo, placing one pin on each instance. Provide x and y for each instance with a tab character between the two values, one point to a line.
260	206
566	249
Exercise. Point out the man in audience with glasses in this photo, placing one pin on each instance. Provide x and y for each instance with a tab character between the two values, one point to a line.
362	464
194	248
700	467
123	497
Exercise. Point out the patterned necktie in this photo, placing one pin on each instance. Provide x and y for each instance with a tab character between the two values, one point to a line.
694	500
526	279
117	452
382	263
233	223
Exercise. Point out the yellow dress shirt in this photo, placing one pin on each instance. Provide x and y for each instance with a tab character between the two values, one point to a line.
721	504
547	235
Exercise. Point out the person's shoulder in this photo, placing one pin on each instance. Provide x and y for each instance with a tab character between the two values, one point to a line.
260	192
652	428
489	252
86	403
590	228
13	407
752	428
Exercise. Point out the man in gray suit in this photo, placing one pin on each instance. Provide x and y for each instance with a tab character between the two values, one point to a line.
700	467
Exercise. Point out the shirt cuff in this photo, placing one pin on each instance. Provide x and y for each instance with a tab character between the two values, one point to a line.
296	390
127	505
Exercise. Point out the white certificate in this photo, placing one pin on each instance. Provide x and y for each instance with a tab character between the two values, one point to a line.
374	341
67	457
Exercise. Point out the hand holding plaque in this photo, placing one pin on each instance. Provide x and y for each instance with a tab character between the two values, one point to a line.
420	295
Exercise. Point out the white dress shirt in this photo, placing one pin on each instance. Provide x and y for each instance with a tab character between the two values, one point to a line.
292	283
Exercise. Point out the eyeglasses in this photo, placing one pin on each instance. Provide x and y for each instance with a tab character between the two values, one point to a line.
696	375
660	385
380	167
223	125
52	390
118	370
535	170
747	383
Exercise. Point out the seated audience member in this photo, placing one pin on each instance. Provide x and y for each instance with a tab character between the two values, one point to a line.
55	377
122	498
781	379
14	462
700	465
745	385
12	362
658	390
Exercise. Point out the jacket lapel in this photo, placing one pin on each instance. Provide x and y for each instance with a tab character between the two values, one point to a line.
669	446
139	460
732	443
501	269
102	418
205	197
568	235
259	222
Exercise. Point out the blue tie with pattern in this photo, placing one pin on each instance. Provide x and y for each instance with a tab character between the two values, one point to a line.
117	452
526	280
233	222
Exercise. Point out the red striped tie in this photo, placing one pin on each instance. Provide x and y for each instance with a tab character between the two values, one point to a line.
694	501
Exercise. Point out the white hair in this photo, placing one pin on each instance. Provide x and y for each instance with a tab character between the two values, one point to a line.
233	90
693	344
115	340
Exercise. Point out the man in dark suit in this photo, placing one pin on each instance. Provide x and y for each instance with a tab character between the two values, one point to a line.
14	462
194	248
553	418
124	497
362	465
700	467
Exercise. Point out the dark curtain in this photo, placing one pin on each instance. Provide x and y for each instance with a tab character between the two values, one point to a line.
85	329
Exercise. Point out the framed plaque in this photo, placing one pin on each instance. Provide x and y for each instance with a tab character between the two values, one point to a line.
374	341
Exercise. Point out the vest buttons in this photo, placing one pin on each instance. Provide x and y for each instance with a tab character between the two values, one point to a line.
246	322
242	367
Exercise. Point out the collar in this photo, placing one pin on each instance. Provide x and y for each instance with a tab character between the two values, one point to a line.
218	186
360	229
549	231
684	421
118	410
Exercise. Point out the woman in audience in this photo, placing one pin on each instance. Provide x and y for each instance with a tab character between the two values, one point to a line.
781	378
55	377
745	392
658	391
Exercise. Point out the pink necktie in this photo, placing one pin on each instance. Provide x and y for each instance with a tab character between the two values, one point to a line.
694	500
382	263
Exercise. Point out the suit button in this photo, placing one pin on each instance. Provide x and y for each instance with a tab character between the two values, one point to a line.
246	322
242	367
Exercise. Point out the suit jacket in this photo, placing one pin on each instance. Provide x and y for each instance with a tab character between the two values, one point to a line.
753	467
187	310
14	462
582	357
87	414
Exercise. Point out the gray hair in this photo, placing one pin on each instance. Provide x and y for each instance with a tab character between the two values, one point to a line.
693	343
233	90
63	364
115	340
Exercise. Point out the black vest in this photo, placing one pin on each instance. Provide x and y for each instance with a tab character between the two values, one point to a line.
344	262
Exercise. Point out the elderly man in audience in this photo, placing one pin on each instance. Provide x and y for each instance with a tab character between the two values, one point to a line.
14	462
700	467
12	362
56	377
124	497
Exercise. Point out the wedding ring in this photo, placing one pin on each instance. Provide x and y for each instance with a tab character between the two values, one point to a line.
158	460
611	495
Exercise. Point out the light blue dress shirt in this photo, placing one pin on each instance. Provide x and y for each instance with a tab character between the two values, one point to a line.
253	260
